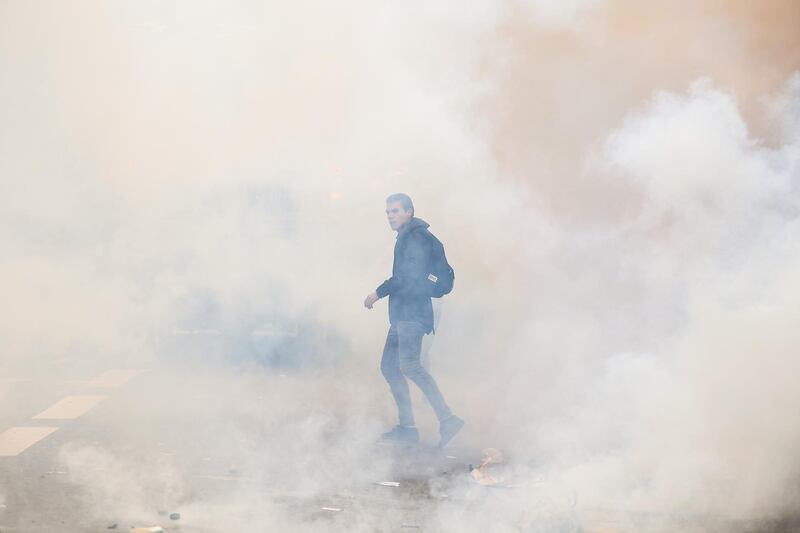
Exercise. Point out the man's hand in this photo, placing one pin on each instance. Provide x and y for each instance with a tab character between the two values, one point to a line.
371	299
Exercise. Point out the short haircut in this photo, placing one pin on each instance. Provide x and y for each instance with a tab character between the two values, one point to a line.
404	199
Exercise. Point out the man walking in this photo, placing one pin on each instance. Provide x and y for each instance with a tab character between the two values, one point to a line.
410	318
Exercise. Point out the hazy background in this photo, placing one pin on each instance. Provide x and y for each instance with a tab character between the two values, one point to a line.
617	185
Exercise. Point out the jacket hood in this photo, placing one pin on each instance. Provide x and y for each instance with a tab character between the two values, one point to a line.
412	225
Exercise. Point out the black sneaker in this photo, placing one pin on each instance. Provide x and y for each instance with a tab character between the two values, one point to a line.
402	434
448	429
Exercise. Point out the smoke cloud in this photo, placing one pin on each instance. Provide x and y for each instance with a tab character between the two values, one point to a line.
617	186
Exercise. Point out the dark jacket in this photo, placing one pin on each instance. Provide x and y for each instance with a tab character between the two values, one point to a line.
409	298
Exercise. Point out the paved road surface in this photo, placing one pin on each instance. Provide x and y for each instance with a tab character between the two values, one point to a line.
87	447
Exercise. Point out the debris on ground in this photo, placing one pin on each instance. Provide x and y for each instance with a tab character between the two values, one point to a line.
151	529
486	473
113	526
388	483
332	509
174	516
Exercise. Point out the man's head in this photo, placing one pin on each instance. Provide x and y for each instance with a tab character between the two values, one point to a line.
399	210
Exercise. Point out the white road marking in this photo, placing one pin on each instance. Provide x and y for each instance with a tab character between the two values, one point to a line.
69	407
114	378
16	440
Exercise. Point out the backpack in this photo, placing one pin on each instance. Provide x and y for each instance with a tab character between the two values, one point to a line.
441	276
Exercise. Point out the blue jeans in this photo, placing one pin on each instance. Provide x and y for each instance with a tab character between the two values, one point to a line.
400	361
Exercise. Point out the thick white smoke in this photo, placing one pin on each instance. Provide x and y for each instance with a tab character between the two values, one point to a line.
621	208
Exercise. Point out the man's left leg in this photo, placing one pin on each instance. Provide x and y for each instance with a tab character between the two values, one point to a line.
409	343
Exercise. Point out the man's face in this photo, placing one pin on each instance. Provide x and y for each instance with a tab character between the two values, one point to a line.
397	215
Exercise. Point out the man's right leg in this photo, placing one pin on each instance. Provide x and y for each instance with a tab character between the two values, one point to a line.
390	368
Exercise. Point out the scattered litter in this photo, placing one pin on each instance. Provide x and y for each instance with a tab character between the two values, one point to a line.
112	526
388	483
332	509
486	479
485	474
151	529
174	516
55	472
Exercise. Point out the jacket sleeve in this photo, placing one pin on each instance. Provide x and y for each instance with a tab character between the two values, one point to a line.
409	278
